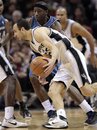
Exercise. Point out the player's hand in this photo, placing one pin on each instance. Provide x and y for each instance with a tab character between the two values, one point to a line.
42	81
49	66
11	34
93	61
10	58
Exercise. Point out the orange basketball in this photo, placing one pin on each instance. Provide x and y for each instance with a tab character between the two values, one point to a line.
37	67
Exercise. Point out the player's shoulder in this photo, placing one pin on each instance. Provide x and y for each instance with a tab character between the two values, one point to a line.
41	30
3	18
6	21
40	33
52	18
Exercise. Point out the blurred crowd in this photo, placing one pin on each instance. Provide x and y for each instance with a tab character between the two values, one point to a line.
82	11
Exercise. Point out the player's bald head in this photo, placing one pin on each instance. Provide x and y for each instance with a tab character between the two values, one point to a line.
61	14
61	9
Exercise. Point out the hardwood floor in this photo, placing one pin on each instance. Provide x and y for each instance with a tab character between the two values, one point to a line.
76	119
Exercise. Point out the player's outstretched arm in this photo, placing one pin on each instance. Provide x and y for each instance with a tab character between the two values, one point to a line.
7	37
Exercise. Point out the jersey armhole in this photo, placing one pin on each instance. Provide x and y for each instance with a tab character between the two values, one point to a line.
50	32
71	30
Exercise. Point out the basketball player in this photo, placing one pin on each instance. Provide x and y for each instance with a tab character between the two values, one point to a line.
39	90
7	80
40	13
16	14
73	63
73	30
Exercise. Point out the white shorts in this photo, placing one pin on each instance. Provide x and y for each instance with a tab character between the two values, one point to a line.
63	75
5	67
74	70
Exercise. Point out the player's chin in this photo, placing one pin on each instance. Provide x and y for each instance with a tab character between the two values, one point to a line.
19	39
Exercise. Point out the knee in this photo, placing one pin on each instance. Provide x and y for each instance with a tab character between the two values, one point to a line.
52	92
10	84
87	94
10	79
87	90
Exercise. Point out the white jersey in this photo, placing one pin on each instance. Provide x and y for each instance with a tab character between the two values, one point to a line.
77	69
37	47
68	33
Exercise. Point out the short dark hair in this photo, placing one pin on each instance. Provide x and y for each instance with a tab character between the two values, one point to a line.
41	5
23	23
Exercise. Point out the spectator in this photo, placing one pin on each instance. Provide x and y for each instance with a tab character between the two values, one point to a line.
16	15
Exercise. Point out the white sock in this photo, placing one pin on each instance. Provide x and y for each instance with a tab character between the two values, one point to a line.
47	105
85	106
61	112
9	112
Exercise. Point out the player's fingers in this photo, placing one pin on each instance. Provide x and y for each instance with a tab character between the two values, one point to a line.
46	65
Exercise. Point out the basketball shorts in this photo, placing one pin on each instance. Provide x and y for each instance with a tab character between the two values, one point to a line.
5	67
75	69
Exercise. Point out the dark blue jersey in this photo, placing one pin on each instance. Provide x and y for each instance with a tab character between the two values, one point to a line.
49	23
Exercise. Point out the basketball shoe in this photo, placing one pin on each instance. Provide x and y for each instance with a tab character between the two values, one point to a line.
51	113
12	123
25	112
57	122
92	118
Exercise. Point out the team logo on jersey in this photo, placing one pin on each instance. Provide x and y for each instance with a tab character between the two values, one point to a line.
43	50
84	76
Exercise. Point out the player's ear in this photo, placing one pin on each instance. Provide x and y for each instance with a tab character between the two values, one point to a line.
22	29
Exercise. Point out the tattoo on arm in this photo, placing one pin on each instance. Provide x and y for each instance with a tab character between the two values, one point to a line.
57	26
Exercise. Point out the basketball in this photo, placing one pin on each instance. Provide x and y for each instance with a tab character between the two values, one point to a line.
37	67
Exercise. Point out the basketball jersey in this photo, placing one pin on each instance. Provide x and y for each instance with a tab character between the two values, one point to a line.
2	30
67	54
49	23
5	67
56	37
67	31
85	46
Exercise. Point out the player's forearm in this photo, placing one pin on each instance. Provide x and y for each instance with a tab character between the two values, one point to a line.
91	41
7	37
55	54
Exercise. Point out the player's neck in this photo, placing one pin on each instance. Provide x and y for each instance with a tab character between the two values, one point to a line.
64	25
42	22
29	35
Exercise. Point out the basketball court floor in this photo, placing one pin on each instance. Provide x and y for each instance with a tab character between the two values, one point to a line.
76	119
